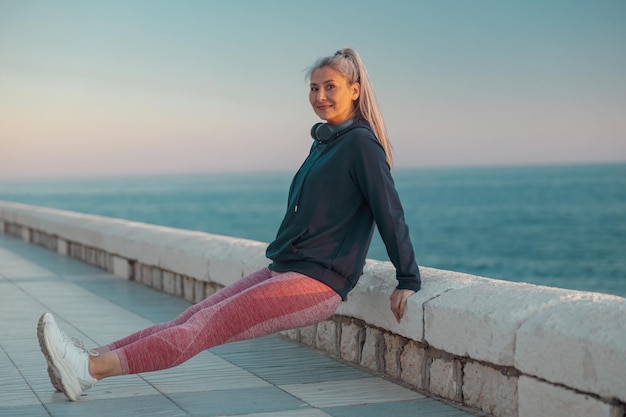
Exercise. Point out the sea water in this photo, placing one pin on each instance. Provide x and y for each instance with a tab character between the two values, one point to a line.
562	226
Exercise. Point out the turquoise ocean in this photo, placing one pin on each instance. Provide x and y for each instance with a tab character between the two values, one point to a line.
561	226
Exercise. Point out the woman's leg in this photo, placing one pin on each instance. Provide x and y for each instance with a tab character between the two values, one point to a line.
281	302
235	288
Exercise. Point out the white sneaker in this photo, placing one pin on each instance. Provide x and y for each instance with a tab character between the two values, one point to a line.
70	363
54	379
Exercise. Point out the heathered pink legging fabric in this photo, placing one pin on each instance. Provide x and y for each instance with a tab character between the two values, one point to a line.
259	304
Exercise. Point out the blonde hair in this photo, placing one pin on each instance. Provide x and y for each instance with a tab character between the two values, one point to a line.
348	63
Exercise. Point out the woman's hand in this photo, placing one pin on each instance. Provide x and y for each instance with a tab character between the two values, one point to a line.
398	302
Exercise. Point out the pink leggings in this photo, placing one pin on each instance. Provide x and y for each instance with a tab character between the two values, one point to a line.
259	304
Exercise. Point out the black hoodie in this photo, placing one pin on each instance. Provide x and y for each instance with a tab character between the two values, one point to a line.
341	189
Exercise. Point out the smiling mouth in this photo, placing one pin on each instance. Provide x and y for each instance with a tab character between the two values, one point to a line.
324	107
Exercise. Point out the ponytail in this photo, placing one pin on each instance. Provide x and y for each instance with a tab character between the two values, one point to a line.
348	63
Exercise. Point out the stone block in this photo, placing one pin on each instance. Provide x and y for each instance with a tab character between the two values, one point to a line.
107	262
157	278
539	398
489	390
582	344
326	337
178	286
121	267
25	234
391	355
412	362
62	246
51	242
307	335
88	255
43	239
169	283
137	272
93	256
71	249
78	251
99	259
198	291
293	334
12	229
372	353
442	378
211	288
188	288
146	275
352	337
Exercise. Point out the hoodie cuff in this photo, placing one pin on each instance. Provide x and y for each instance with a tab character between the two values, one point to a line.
409	283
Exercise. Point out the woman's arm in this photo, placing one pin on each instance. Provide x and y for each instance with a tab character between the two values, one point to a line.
374	178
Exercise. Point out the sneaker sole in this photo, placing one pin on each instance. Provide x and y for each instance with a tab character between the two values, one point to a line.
70	391
53	378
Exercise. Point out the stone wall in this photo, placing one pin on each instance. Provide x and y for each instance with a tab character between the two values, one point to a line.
507	349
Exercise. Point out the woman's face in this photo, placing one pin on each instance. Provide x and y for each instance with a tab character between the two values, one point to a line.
331	96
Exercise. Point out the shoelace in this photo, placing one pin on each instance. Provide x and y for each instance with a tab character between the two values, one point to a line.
76	342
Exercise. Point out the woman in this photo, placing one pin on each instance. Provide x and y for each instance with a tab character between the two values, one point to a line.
342	188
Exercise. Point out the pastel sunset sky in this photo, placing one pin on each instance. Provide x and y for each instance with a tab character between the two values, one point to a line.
91	88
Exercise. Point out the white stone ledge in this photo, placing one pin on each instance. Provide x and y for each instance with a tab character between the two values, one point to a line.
538	398
579	343
457	331
481	321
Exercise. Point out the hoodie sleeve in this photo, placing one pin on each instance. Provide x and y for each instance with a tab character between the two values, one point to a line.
373	176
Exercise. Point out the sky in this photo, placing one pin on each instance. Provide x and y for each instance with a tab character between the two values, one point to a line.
100	88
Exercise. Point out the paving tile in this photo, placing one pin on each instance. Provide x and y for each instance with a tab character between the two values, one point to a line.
155	306
281	362
23	411
421	408
127	386
352	392
236	402
23	270
148	406
204	372
307	412
13	392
